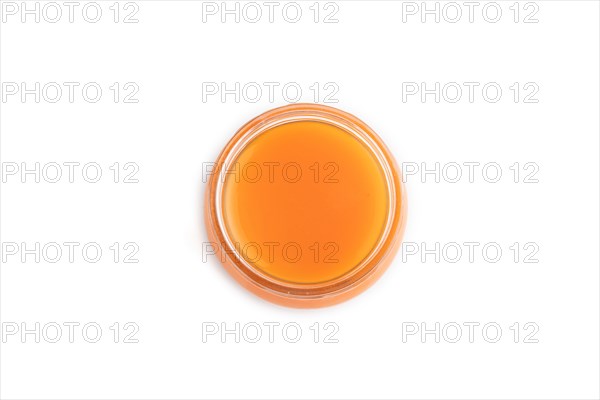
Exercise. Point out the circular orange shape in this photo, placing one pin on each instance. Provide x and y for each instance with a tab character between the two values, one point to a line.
305	206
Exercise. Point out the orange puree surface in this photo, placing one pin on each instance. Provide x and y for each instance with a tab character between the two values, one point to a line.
305	202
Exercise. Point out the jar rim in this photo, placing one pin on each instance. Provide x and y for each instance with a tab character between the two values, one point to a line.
357	278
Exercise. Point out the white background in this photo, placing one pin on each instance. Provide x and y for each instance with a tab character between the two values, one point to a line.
171	132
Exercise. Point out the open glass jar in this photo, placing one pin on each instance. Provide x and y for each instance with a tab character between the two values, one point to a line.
305	206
